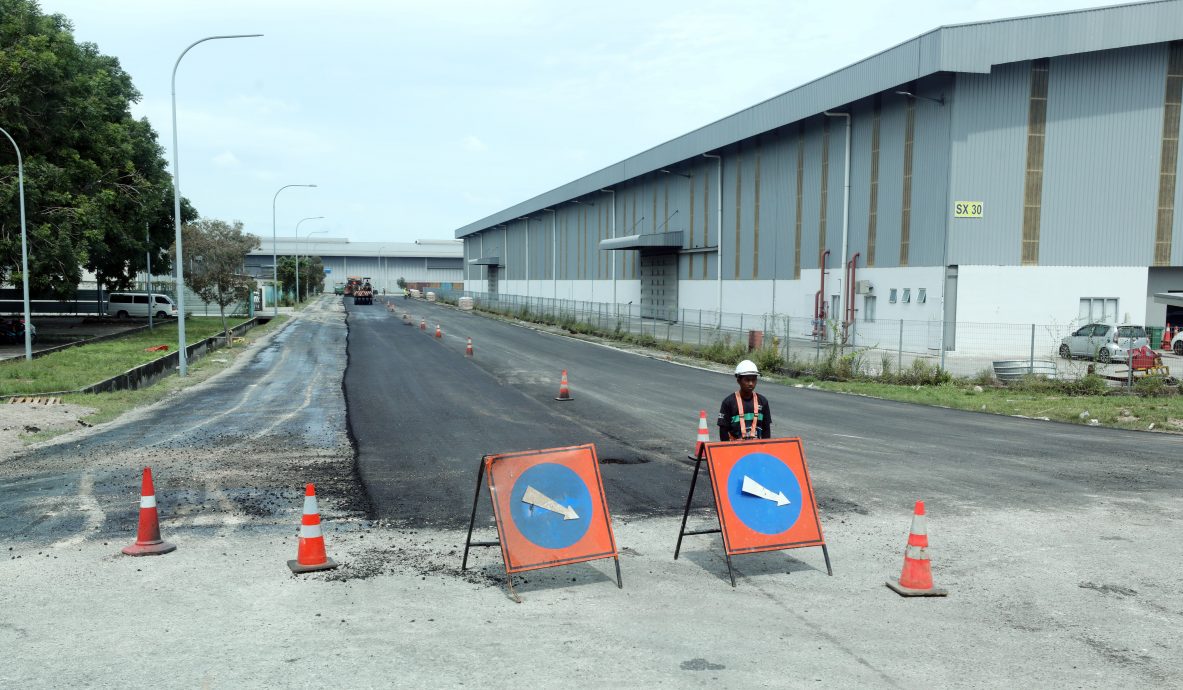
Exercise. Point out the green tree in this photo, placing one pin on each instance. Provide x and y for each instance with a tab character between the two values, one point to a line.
311	275
95	177
217	249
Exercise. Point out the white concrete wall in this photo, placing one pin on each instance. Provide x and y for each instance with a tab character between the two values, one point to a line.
1047	294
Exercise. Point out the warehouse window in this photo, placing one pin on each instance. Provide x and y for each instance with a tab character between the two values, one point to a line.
921	295
891	297
907	295
873	206
1172	101
821	226
1098	309
906	214
1033	189
800	194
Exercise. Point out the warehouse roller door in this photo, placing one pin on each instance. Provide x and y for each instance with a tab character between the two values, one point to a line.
659	286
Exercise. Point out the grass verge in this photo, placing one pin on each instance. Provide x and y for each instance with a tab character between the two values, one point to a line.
1114	409
81	366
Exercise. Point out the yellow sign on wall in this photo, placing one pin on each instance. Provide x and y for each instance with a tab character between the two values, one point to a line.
967	209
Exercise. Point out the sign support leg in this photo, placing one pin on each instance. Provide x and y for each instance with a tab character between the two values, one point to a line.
826	553
480	475
730	572
619	582
689	498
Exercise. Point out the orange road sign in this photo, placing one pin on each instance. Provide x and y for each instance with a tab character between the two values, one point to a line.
549	507
763	498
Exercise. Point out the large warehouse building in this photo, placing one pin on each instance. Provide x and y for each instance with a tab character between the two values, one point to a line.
1020	171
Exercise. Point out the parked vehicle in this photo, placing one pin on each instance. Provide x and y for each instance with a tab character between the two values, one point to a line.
364	293
124	304
1103	342
12	331
1177	343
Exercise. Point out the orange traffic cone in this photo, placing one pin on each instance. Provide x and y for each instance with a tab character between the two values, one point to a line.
148	541
438	332
704	434
1166	338
423	324
564	393
311	555
916	578
468	348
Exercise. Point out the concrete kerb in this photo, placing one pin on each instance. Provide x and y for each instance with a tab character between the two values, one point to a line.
146	374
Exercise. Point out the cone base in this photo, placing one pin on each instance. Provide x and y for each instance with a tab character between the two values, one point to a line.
909	592
298	567
564	399
150	549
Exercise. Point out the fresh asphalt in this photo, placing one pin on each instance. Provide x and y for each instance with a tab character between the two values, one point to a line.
423	415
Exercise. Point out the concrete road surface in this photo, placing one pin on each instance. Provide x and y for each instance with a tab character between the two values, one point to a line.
1059	544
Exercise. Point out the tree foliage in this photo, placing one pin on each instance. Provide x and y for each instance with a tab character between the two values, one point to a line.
96	180
311	274
217	249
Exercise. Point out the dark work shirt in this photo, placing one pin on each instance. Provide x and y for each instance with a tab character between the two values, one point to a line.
729	429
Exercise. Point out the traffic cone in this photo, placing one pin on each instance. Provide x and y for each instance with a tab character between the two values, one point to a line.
468	348
916	577
148	541
423	324
1166	338
438	332
704	434
311	555
564	393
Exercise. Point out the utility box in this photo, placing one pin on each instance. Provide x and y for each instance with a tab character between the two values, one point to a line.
864	287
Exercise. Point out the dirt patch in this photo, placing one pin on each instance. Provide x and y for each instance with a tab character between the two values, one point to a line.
23	423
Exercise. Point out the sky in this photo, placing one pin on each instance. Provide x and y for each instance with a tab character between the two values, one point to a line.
416	118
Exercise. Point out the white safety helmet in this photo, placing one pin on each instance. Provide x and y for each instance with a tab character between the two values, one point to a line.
746	368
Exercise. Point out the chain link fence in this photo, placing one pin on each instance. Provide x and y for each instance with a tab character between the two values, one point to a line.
874	347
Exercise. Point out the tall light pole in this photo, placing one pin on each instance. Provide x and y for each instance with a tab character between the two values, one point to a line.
20	182
274	253
298	251
184	364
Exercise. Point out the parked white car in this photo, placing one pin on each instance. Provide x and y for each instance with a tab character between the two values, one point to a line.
1177	343
1103	342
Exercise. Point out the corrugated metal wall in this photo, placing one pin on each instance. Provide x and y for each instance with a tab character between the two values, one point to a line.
1100	182
1101	156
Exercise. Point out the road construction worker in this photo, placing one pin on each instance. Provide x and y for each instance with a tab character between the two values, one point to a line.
744	414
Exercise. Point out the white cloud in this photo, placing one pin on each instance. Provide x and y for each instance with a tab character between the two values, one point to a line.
226	159
474	145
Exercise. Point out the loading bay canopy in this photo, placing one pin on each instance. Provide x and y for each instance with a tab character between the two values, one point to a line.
661	240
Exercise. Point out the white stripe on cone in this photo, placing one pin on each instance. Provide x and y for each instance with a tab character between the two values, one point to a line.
310	505
916	553
148	501
920	524
310	531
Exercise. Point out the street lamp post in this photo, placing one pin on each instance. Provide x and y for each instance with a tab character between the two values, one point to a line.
274	253
298	251
20	182
184	365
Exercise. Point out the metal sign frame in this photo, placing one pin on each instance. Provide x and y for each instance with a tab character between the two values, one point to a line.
725	517
514	543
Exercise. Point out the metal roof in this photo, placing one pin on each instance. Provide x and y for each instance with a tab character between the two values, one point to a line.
972	47
340	246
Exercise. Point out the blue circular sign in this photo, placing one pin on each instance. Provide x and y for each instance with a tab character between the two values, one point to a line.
551	506
759	486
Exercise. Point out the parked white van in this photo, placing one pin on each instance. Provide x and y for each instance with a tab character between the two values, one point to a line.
124	304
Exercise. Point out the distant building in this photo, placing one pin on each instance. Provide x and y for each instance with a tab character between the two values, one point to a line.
1013	171
432	262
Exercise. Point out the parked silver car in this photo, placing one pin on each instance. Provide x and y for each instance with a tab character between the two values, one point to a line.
1103	342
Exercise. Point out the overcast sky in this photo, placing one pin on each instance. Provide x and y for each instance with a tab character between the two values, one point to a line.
416	118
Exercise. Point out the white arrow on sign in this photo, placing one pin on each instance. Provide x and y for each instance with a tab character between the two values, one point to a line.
751	486
536	498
